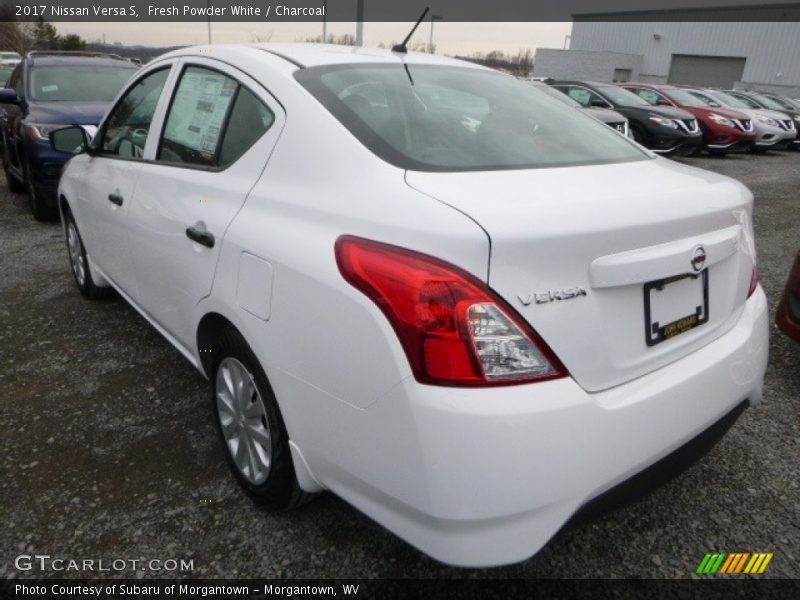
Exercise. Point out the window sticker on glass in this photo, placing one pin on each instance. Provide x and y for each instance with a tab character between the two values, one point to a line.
197	115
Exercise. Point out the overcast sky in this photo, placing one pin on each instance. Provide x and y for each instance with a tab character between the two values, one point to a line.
450	38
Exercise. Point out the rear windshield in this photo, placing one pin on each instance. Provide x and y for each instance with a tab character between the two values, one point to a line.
434	118
78	83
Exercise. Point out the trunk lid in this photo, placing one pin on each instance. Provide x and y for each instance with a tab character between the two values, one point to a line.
609	230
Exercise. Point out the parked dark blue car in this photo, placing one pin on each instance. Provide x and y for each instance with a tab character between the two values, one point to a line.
48	91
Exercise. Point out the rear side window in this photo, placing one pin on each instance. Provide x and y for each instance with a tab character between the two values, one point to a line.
212	120
249	120
441	118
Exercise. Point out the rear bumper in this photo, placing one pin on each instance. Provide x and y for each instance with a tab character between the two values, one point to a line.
489	476
657	474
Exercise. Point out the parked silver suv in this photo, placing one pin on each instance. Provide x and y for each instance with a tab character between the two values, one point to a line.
776	103
772	130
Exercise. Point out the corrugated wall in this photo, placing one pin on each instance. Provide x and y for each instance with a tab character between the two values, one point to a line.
772	49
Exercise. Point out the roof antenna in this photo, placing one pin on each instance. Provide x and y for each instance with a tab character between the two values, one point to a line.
402	47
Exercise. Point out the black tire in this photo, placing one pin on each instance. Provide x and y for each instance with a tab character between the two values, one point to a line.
84	281
280	490
41	211
14	184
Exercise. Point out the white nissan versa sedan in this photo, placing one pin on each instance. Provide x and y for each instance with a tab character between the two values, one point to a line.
467	309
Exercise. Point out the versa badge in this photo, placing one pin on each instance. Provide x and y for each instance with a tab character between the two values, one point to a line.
552	296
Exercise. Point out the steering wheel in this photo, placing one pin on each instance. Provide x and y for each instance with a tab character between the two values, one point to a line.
135	150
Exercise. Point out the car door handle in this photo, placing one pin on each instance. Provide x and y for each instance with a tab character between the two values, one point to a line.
115	199
200	236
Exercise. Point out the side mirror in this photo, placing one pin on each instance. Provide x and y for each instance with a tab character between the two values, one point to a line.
599	103
662	102
8	96
70	140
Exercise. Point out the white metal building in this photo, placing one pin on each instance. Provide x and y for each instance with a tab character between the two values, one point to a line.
752	55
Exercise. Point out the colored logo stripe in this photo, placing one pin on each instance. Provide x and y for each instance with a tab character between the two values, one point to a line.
734	563
759	562
711	563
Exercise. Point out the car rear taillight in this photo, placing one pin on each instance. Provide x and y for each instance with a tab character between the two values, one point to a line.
454	330
753	281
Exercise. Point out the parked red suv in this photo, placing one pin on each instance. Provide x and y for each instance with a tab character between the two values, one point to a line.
788	315
723	129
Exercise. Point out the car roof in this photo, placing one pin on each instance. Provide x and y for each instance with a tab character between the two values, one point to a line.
304	55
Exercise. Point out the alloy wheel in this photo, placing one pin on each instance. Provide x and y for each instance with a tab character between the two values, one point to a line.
243	420
76	254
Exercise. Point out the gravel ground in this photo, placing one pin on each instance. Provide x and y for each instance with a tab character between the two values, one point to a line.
108	448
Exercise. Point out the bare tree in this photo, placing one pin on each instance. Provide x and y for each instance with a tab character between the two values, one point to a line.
17	37
261	39
519	64
346	39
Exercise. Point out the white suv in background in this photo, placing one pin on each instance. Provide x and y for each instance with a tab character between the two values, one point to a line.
469	316
10	59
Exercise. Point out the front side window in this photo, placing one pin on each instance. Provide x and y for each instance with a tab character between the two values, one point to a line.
126	129
735	101
648	96
706	100
769	102
621	97
436	118
212	120
685	98
78	83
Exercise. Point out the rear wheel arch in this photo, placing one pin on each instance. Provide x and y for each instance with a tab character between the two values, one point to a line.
219	341
63	205
210	330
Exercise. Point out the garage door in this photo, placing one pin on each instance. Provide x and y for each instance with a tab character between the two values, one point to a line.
707	71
